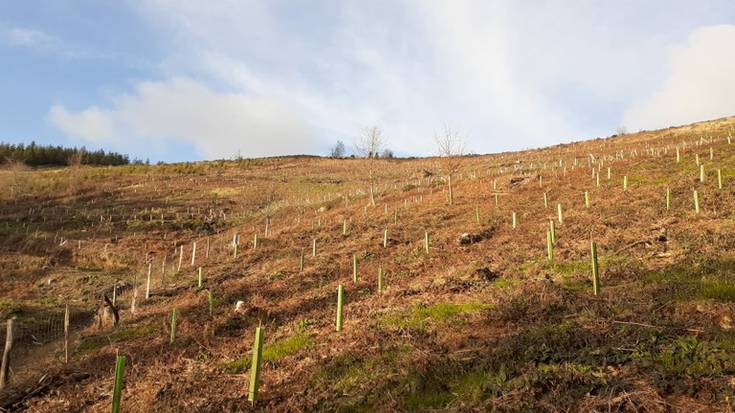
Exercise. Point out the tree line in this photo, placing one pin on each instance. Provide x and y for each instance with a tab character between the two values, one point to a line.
48	155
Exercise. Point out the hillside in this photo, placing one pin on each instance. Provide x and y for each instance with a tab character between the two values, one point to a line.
483	321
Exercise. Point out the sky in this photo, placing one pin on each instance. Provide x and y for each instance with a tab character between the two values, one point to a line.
182	80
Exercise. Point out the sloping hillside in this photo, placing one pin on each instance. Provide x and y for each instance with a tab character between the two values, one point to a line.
488	318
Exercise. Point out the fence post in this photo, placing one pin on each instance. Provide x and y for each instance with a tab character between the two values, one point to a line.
5	367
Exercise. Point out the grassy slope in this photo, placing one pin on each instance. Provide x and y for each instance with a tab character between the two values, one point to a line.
491	325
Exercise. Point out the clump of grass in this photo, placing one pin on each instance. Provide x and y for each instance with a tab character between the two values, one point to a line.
686	360
420	316
96	342
696	280
222	192
271	352
503	283
717	290
350	371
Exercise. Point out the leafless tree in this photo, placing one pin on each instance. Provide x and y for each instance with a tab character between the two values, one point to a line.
368	145
75	163
450	146
338	151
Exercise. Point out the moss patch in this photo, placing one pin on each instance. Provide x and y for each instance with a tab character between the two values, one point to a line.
271	352
96	342
419	317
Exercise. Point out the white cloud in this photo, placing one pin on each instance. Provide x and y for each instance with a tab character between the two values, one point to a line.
217	124
30	38
698	84
407	66
508	74
91	124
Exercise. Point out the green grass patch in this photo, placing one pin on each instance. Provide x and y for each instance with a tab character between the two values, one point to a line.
272	352
122	334
684	364
420	316
503	283
701	279
351	371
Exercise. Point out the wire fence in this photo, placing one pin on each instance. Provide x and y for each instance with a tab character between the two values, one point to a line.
37	344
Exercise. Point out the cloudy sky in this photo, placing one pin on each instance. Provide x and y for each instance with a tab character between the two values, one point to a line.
184	80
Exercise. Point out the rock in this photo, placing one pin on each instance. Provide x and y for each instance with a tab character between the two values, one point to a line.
240	307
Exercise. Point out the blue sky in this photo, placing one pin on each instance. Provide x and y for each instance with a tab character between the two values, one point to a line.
186	80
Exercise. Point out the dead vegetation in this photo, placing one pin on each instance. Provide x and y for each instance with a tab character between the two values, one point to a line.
488	324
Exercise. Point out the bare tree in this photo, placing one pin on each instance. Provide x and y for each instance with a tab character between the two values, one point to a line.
450	146
369	145
338	151
75	163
